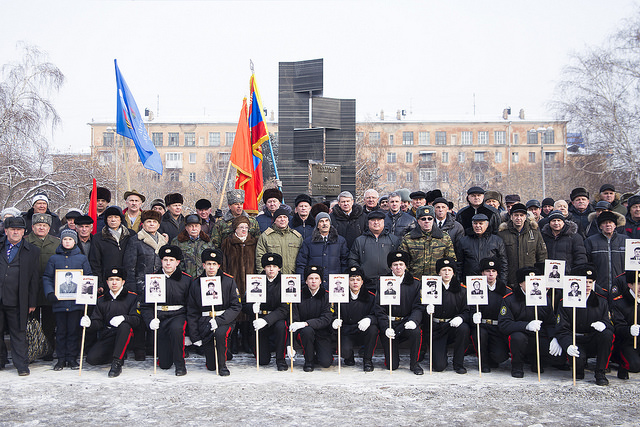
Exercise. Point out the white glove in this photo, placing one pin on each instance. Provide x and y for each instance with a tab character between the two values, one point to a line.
431	308
256	308
187	342
364	324
291	352
598	326
555	349
477	317
259	324
116	320
573	351
337	323
198	343
214	324
297	325
410	325
455	322
390	333
154	324
635	330
85	322
534	325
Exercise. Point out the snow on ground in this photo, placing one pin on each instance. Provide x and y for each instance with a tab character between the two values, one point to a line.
323	397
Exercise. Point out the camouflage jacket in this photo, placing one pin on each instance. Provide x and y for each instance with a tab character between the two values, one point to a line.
191	251
222	228
425	249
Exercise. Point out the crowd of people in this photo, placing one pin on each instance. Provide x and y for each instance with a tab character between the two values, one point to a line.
403	234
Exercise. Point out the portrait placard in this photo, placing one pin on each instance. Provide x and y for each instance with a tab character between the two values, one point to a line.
256	288
155	288
67	283
338	288
477	290
88	290
535	291
632	255
211	291
431	290
389	290
554	272
290	288
574	292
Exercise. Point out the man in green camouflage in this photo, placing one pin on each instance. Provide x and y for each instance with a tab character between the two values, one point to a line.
426	244
193	241
282	240
222	229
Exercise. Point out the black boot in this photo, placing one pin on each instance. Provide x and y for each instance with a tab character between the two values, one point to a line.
601	378
60	365
623	374
367	365
116	368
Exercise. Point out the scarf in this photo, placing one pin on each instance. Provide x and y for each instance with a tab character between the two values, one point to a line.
149	240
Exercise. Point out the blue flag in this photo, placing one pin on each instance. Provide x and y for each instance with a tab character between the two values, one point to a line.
130	125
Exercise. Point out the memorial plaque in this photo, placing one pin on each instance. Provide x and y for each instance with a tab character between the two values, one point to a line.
325	180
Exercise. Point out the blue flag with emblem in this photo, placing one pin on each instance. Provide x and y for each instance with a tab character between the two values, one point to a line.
130	125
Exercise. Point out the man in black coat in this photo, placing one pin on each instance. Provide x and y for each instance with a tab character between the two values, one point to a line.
173	220
358	321
348	218
19	266
40	204
623	308
114	317
475	197
205	322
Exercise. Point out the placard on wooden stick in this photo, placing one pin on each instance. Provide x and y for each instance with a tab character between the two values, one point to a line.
290	288
211	291
574	292
632	255
155	289
535	292
88	293
553	273
389	290
477	290
431	291
66	283
256	288
338	288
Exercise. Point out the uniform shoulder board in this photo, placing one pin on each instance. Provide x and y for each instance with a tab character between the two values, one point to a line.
296	233
462	285
268	231
371	293
227	274
510	293
132	293
101	296
186	274
617	298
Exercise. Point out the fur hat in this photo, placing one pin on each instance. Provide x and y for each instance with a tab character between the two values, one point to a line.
512	198
84	220
587	270
518	207
607	216
158	202
15	222
240	220
210	254
235	196
172	198
272	193
113	211
150	214
577	192
445	262
523	272
426	210
355	271
102	193
202	204
548	201
271	259
115	272
398	256
418	195
303	198
170	251
317	208
493	195
489	264
313	269
433	195
41	218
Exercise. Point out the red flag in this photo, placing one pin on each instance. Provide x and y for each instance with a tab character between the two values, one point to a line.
93	207
241	156
259	134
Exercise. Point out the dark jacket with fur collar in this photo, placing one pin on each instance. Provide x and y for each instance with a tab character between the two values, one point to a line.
524	248
176	293
106	252
331	255
568	245
314	309
597	310
515	315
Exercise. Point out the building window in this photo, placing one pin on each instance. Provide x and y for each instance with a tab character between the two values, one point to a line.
500	136
374	157
426	157
192	157
192	177
107	139
466	138
424	138
407	138
229	137
223	160
174	176
359	136
409	177
445	176
391	177
445	157
214	139
514	157
174	139
107	157
374	138
532	137
549	157
408	157
391	157
479	178
208	177
549	137
498	176
156	137
478	156
189	139
516	139
461	157
209	157
390	139
454	139
441	138
498	156
483	138
532	157
428	175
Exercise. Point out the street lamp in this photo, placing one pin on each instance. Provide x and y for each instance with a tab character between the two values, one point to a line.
115	143
541	131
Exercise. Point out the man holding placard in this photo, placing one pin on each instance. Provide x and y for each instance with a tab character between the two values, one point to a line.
403	320
625	316
211	315
593	328
171	318
114	317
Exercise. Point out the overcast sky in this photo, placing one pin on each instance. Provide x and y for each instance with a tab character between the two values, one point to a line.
426	57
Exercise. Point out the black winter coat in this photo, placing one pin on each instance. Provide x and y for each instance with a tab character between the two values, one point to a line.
314	309
126	304
466	213
106	252
622	310
515	315
471	248
177	293
567	246
607	255
370	254
139	260
410	307
454	303
350	226
597	311
331	255
356	310
273	310
305	228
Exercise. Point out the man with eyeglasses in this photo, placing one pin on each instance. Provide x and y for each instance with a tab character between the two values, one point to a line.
426	244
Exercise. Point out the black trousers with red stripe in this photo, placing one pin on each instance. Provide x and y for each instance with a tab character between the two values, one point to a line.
630	357
595	344
494	345
171	341
222	334
111	344
413	336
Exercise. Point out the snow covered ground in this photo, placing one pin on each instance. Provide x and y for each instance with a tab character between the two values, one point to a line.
322	397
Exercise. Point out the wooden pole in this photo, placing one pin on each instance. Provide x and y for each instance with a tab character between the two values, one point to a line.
635	311
390	346
431	344
224	186
553	299
215	349
574	343
339	343
479	346
155	341
535	308
84	331
257	348
291	334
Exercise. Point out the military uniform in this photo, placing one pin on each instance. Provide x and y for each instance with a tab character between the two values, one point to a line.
316	337
223	228
623	310
425	249
358	308
494	347
286	242
191	251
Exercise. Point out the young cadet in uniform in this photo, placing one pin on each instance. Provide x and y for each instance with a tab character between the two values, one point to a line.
517	321
312	320
114	317
594	330
171	319
625	329
450	319
405	317
202	323
358	321
494	347
271	324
